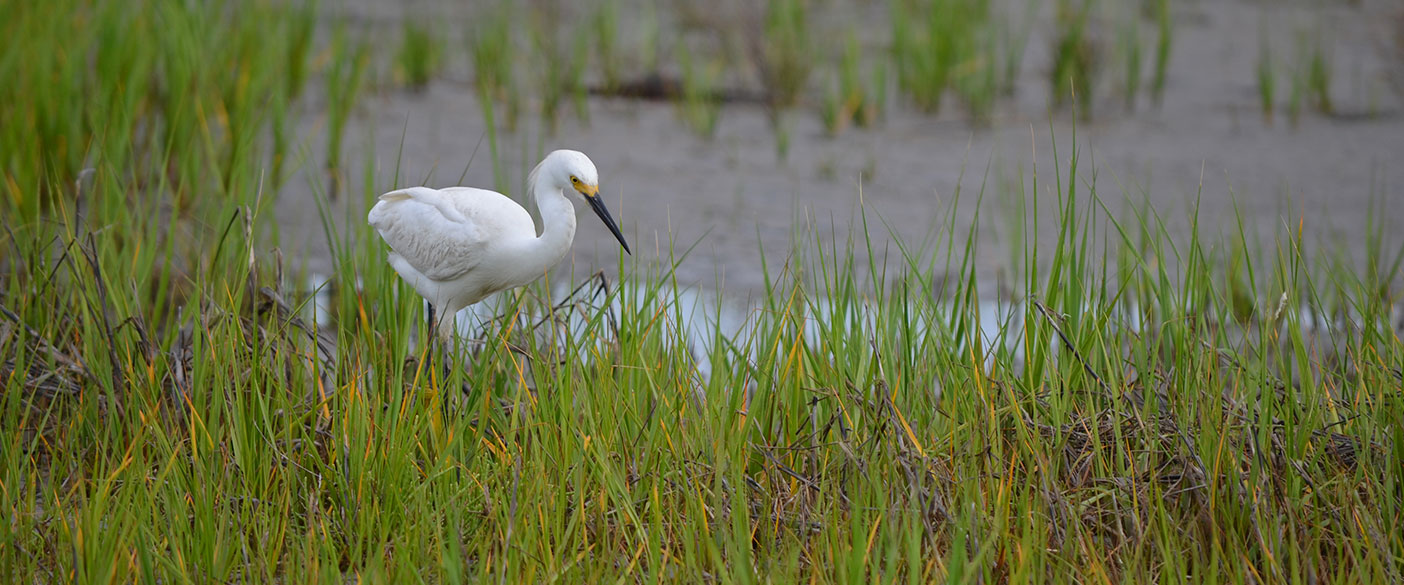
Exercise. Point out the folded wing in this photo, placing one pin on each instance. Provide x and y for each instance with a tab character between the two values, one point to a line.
429	231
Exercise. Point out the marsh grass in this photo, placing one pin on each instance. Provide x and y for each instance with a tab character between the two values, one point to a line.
301	20
1014	38
977	80
852	98
700	108
420	55
780	125
606	34
965	47
79	91
933	40
652	34
345	80
561	67
1267	79
1149	409
492	46
1312	73
1319	75
1164	43
785	54
1131	53
1297	96
492	49
1396	35
1076	57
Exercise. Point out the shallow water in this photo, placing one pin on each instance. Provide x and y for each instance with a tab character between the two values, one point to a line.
702	323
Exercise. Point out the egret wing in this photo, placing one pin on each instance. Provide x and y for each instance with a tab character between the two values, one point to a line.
430	231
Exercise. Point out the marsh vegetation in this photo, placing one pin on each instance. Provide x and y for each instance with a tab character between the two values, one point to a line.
1143	407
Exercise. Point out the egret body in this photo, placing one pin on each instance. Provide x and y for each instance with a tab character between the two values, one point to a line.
458	245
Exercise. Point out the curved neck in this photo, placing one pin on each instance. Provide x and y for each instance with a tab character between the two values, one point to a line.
557	228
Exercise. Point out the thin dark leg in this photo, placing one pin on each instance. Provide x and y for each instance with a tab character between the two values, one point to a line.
432	332
434	345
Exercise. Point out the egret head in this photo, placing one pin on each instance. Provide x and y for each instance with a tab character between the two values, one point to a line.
574	174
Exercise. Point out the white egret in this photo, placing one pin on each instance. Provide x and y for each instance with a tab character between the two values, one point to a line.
458	245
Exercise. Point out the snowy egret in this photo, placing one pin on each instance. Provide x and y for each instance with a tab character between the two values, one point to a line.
458	245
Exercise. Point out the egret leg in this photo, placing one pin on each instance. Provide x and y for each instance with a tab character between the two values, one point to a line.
436	345
429	334
432	330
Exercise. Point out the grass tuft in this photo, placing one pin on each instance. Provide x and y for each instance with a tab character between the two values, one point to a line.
1076	57
1164	43
418	59
493	48
934	41
700	107
786	55
851	98
345	79
606	29
1267	79
1131	52
1319	74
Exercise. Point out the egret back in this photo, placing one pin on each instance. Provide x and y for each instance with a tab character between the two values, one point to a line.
446	233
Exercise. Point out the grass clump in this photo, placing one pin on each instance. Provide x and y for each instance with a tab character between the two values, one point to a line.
345	79
1163	44
1311	78
606	29
89	86
493	51
700	107
1267	79
977	81
851	98
1319	74
301	23
419	57
1076	58
1131	52
786	54
561	68
939	42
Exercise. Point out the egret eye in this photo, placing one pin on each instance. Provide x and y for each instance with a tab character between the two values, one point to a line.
574	180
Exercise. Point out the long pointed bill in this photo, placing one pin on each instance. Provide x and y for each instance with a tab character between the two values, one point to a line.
598	205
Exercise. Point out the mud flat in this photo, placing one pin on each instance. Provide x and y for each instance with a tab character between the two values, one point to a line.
1207	145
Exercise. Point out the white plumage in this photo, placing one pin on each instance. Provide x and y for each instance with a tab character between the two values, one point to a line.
458	245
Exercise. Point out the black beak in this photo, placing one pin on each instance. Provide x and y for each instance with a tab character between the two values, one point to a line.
597	204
